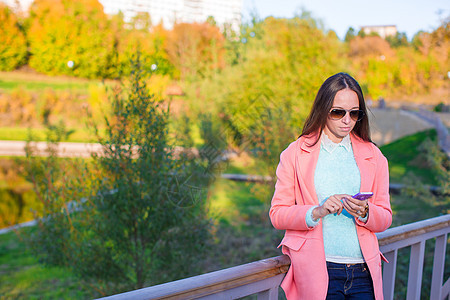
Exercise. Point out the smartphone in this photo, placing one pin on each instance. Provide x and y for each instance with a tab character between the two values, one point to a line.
363	196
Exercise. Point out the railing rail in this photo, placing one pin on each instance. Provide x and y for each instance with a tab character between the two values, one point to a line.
415	235
264	277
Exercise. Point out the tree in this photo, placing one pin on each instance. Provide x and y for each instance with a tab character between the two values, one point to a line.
351	33
195	49
151	45
63	31
55	182
13	44
141	21
399	40
263	97
369	46
143	218
156	212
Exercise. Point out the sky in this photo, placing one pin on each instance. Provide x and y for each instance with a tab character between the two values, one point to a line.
410	16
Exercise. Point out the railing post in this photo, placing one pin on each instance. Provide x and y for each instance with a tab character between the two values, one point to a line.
389	270
264	277
438	267
415	271
271	294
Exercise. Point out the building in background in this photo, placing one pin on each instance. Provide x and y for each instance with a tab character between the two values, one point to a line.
169	11
383	30
21	5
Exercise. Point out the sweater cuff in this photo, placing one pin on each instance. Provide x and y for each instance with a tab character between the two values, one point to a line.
364	220
309	219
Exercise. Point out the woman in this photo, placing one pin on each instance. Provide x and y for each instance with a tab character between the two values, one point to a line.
330	236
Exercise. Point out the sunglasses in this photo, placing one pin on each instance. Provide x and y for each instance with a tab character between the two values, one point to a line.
338	113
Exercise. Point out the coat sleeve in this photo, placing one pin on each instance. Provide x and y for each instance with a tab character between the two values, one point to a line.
285	212
380	212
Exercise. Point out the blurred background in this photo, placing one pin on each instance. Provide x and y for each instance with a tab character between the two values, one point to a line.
210	92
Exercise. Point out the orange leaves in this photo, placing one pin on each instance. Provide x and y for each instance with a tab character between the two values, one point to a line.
13	47
195	48
370	46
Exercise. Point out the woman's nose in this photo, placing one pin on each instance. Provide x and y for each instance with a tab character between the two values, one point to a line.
347	119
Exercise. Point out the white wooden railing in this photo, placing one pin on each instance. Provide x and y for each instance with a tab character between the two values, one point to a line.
415	235
264	277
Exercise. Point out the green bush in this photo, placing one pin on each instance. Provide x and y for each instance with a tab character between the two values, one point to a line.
138	212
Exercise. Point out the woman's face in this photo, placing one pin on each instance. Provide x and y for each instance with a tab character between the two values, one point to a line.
336	130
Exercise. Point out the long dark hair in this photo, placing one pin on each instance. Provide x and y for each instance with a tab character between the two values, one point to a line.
318	115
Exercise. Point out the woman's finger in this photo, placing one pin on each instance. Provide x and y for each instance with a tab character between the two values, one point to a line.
352	209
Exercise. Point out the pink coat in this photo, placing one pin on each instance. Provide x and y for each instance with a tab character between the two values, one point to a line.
295	193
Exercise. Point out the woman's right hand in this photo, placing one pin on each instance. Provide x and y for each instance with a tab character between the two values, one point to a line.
331	206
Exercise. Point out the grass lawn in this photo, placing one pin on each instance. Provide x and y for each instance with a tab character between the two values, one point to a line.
242	232
404	156
23	277
79	135
37	82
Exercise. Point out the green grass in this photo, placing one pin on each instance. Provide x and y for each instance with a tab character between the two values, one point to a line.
23	277
235	202
242	233
404	156
79	135
36	86
37	82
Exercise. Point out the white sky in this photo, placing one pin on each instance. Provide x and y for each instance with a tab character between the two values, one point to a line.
410	16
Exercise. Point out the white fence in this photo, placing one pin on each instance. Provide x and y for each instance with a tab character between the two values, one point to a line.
264	277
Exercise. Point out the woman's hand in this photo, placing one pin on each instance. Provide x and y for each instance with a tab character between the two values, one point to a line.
331	206
355	207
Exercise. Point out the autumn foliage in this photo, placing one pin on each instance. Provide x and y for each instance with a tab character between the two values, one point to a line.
66	31
13	44
77	38
196	48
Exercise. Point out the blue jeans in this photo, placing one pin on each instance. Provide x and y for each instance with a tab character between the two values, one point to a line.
349	281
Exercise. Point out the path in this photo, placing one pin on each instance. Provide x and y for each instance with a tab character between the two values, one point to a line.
387	125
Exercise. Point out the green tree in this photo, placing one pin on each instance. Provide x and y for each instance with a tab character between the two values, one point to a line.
150	209
399	40
139	214
265	95
351	33
13	44
55	182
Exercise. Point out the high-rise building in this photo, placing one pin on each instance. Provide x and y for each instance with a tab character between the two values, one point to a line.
170	11
383	30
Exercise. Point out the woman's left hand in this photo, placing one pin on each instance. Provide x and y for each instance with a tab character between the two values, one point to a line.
354	206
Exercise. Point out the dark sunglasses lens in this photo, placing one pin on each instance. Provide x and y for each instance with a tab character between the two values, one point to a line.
337	113
356	115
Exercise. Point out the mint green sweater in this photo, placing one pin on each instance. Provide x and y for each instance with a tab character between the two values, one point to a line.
337	173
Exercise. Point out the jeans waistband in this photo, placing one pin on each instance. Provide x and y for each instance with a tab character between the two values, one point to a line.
345	266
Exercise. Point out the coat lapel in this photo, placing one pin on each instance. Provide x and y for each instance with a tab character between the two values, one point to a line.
306	161
364	159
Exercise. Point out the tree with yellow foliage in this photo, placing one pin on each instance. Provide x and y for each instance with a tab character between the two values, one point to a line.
403	70
13	45
70	37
